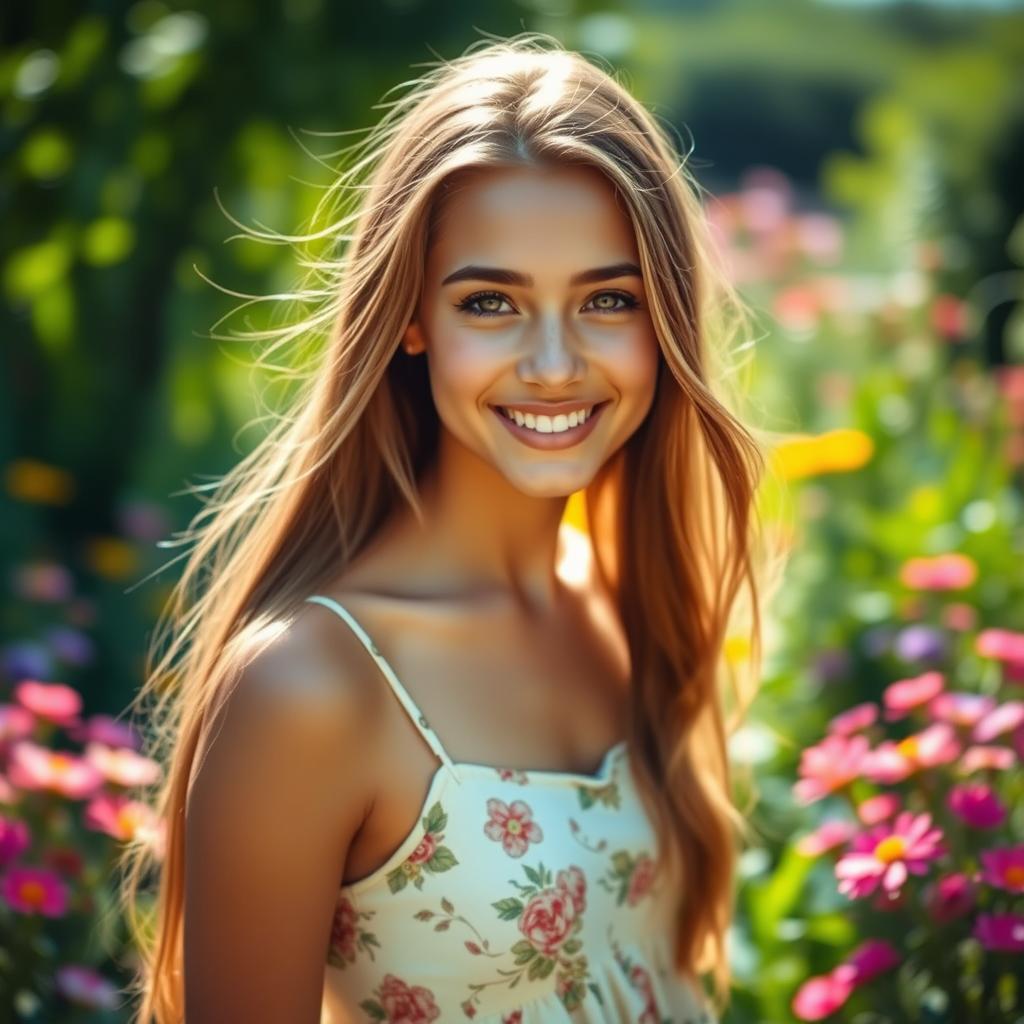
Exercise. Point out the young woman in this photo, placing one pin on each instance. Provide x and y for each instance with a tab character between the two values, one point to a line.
434	751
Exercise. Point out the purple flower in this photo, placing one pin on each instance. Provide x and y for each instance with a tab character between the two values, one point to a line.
920	643
1003	932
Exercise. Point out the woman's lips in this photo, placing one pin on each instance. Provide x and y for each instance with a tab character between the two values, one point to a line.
547	442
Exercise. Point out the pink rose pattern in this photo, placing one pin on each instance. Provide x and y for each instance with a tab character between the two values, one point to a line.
399	1003
629	878
429	857
548	911
348	937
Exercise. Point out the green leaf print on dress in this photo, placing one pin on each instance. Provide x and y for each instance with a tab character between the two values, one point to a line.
549	913
608	794
429	855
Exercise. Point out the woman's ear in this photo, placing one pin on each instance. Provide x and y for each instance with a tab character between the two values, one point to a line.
412	340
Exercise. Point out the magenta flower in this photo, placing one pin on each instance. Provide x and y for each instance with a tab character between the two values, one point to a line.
870	959
977	757
884	855
878	808
1003	932
950	897
30	890
892	762
855	719
976	805
55	702
950	571
1008	715
33	766
903	696
1003	867
825	837
832	764
965	709
14	839
820	997
83	986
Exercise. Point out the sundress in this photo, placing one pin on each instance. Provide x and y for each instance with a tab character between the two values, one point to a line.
519	897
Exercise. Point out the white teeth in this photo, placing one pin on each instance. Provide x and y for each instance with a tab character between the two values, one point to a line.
548	424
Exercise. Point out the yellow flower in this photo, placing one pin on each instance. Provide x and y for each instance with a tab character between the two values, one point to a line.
32	480
835	451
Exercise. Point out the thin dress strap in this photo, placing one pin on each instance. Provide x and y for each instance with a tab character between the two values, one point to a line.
419	720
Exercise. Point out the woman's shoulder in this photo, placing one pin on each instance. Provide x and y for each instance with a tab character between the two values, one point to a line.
301	687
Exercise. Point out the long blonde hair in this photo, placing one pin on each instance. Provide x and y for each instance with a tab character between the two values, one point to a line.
671	516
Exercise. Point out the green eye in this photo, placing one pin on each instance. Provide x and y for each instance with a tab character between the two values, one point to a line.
469	304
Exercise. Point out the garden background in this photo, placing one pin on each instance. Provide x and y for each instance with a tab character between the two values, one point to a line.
865	163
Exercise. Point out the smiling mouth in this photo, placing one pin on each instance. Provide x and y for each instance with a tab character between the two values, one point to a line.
543	424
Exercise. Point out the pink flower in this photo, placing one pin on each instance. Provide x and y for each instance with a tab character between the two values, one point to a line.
885	854
976	805
14	839
1004	932
122	766
640	880
965	709
85	987
512	825
118	815
950	897
15	723
996	758
105	729
959	616
43	581
825	837
950	571
1006	716
859	717
820	997
405	1004
892	762
8	794
343	932
574	882
878	808
903	696
32	890
55	702
548	919
949	315
1003	867
829	766
425	849
1001	644
33	766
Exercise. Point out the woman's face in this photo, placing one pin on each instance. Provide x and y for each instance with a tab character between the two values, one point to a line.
533	304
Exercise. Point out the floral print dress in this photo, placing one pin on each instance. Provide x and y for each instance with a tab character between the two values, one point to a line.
519	897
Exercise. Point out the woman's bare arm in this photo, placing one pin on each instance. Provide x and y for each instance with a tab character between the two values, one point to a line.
273	806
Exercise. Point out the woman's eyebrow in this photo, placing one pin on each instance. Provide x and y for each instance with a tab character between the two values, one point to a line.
497	275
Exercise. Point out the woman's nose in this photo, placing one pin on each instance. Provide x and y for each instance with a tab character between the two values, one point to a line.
553	358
